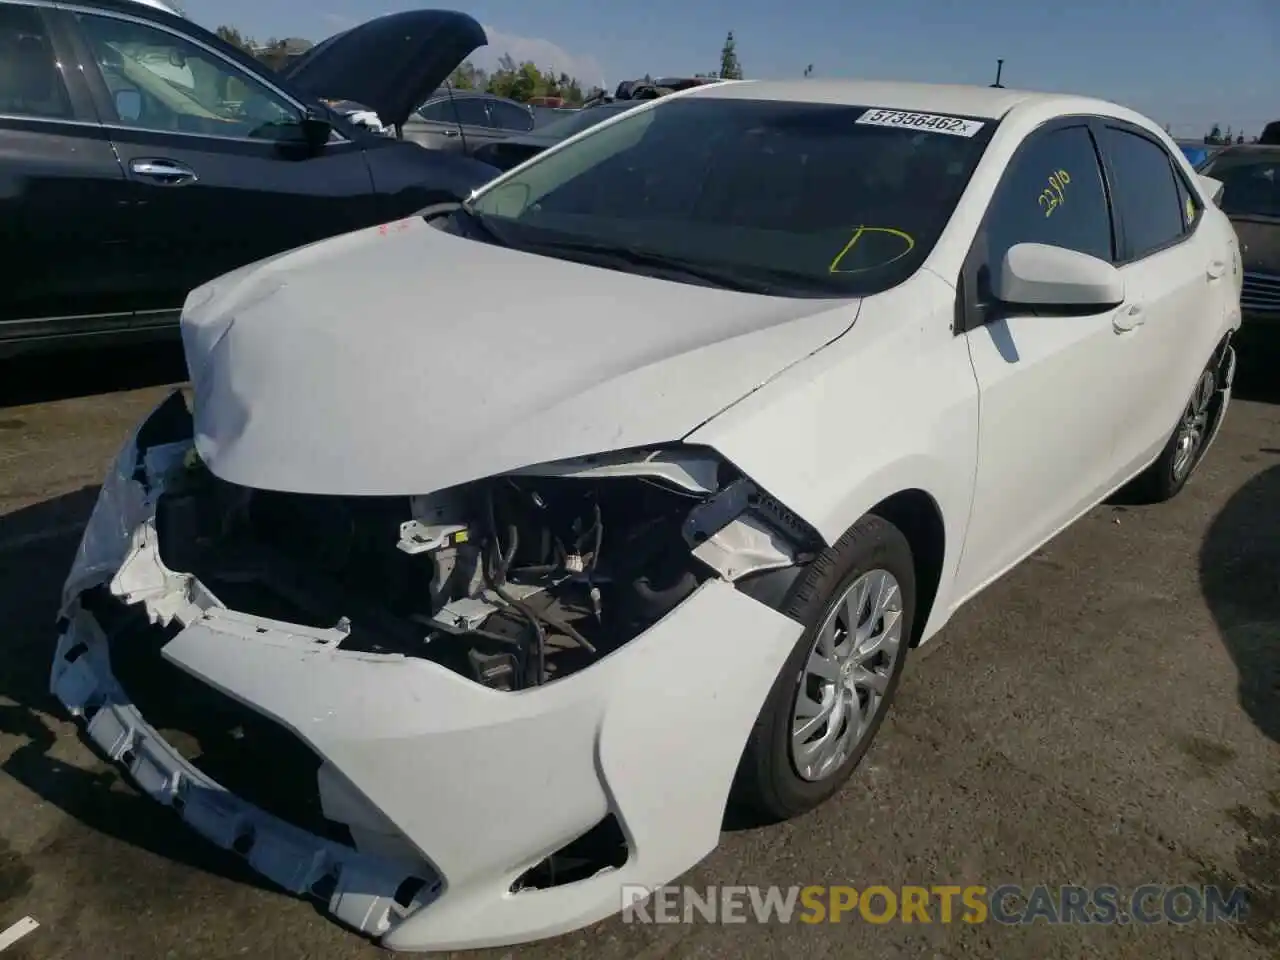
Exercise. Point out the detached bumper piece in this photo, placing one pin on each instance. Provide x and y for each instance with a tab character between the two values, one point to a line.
366	893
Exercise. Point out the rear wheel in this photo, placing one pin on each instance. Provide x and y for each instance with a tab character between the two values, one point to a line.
857	601
1177	461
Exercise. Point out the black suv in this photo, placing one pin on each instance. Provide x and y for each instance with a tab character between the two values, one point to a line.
141	156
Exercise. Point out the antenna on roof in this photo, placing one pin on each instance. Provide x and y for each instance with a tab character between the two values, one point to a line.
999	71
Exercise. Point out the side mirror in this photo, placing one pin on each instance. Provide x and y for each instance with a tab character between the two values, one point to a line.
1039	275
315	130
1214	188
129	105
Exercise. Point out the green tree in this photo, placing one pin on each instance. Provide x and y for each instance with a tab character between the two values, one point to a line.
469	77
524	81
730	67
234	37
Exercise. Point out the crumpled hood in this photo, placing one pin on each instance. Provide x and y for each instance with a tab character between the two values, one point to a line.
401	359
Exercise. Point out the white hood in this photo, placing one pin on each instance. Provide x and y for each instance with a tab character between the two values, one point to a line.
401	359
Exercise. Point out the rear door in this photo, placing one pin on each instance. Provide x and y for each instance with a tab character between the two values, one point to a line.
60	227
1051	386
214	176
1176	276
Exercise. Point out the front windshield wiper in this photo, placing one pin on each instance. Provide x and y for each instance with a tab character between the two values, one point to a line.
727	278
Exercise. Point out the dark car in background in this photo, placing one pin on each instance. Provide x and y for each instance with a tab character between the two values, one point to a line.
464	121
513	151
1250	177
141	156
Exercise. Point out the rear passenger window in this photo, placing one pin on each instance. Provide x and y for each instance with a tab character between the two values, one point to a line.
1052	193
1144	192
30	79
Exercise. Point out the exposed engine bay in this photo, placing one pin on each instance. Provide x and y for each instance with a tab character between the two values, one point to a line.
514	581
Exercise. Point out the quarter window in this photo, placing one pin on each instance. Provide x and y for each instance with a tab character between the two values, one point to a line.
1144	192
1052	193
160	81
30	81
1188	202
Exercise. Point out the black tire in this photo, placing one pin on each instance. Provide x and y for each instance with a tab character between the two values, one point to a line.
767	782
1162	481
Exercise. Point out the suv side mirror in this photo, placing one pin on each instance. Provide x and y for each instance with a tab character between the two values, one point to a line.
1039	275
315	130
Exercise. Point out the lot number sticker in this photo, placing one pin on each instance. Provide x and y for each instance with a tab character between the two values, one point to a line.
927	122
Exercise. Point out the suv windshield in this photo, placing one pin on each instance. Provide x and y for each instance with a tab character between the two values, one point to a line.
1250	182
795	199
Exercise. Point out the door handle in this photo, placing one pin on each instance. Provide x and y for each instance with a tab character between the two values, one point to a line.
1216	269
450	133
165	172
1129	317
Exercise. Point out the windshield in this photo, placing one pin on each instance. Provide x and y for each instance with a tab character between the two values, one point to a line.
816	200
1250	184
583	119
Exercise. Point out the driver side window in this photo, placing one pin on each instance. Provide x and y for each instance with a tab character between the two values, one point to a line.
1052	193
161	81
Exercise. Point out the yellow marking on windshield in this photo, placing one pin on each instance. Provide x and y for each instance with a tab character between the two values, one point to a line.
857	235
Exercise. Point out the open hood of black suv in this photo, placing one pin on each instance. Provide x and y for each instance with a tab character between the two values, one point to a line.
389	64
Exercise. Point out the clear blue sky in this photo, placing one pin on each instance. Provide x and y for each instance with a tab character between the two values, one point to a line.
1188	63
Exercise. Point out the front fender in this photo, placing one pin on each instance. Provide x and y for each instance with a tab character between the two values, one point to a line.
891	406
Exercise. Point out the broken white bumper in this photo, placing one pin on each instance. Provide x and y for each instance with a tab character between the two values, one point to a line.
438	778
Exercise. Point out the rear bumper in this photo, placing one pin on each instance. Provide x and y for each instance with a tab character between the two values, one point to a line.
452	791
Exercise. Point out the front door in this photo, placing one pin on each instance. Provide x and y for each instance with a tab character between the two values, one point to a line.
60	228
1049	386
215	176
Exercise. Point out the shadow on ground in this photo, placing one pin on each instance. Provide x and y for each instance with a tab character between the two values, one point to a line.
41	378
1240	577
37	545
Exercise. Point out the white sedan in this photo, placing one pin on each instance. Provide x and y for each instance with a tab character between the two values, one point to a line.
507	544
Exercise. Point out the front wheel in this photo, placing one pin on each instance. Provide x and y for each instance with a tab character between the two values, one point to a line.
857	601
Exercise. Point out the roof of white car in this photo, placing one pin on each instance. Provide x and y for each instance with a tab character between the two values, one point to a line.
988	102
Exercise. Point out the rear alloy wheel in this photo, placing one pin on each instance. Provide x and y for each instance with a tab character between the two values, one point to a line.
857	601
1177	461
1193	428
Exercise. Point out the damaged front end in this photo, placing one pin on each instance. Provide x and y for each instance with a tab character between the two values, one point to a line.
463	718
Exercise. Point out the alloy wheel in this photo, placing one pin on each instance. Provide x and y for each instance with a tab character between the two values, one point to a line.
841	688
